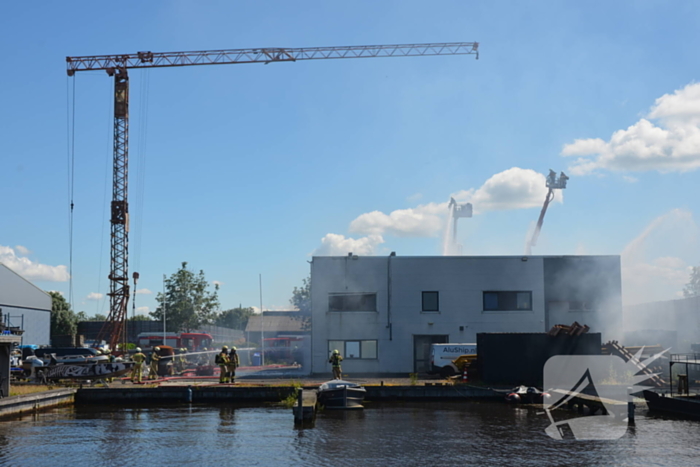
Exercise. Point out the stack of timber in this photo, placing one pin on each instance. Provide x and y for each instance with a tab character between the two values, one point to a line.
563	330
615	348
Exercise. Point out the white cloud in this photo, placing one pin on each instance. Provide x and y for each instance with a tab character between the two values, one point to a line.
415	197
670	145
22	250
94	296
514	188
337	245
219	283
655	264
143	292
142	310
422	221
31	270
630	179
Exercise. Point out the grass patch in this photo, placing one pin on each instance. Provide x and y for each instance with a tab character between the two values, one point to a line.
414	378
28	389
291	399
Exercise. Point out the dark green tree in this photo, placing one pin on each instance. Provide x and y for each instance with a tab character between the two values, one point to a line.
692	288
301	300
63	320
187	302
301	297
235	318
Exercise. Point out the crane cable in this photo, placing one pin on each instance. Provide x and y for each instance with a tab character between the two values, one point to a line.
108	133
139	190
70	140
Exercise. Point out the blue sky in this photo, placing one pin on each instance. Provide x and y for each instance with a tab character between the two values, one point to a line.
243	170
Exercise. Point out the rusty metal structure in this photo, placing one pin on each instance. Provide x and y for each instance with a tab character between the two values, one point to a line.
117	66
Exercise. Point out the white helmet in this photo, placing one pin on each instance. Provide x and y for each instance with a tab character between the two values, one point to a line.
138	349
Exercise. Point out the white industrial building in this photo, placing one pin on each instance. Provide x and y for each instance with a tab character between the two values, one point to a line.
382	313
25	305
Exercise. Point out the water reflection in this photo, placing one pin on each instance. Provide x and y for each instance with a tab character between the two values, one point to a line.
381	435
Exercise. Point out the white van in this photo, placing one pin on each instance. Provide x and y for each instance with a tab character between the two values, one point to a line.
441	356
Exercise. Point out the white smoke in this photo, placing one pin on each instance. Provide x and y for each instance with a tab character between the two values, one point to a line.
656	264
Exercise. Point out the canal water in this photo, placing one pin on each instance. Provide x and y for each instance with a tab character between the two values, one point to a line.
398	434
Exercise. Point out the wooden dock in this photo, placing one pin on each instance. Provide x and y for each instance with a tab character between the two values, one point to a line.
305	407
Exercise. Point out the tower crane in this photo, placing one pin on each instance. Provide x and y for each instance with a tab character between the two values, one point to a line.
553	183
117	66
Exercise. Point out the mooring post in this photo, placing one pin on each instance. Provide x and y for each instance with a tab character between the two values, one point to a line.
300	398
630	407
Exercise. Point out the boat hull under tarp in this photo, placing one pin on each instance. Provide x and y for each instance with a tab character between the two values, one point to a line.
339	394
88	371
681	406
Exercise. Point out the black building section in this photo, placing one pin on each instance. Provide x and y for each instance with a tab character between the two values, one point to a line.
90	329
590	286
511	359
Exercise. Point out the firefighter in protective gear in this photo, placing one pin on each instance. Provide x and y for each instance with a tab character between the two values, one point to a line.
155	358
203	357
182	361
138	359
233	363
335	360
111	357
222	360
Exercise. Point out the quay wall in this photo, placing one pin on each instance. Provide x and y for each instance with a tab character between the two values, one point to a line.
17	406
245	395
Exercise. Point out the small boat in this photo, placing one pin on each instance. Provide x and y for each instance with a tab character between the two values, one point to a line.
680	406
339	394
681	402
85	371
527	395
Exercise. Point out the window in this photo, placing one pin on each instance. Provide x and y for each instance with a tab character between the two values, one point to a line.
354	350
431	301
507	301
352	302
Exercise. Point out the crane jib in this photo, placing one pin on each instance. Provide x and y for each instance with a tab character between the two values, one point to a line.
263	55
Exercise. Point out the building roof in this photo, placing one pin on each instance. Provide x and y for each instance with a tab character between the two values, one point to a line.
16	291
277	322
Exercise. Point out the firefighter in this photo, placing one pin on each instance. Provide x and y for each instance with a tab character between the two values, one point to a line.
203	357
335	360
233	363
155	358
111	357
183	360
222	360
138	359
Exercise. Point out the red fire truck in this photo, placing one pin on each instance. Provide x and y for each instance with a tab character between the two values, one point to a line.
192	341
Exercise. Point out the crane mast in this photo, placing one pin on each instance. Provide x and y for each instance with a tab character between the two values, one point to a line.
117	66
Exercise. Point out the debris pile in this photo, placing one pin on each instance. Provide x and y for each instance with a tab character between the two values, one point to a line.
563	330
615	348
